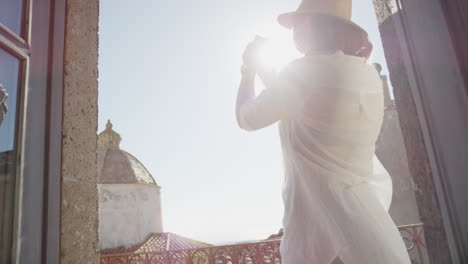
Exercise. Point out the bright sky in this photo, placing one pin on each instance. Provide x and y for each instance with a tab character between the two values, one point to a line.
168	77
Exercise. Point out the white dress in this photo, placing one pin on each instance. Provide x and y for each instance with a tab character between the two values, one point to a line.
336	193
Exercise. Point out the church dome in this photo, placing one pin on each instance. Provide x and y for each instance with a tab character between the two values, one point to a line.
116	165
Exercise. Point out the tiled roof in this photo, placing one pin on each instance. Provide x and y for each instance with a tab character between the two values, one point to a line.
157	243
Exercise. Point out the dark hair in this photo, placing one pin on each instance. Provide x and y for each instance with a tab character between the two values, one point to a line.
331	34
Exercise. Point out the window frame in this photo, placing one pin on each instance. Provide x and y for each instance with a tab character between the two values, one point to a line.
36	230
19	48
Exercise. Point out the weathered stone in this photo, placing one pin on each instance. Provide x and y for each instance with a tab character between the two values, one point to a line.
390	150
129	197
79	211
429	210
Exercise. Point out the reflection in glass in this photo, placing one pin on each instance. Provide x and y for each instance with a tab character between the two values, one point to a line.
9	78
11	14
9	70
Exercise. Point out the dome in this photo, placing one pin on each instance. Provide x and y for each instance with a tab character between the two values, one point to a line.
116	165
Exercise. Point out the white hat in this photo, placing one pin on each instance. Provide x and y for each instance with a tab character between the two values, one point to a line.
340	9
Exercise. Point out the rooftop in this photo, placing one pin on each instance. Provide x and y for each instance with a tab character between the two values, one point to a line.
116	165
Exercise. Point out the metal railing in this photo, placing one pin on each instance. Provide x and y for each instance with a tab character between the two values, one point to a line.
413	235
260	252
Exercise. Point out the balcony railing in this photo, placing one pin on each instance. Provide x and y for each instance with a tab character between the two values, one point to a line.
260	252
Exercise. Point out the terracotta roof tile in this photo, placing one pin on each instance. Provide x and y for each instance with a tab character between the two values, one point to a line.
157	243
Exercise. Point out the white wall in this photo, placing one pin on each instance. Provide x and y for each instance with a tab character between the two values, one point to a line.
128	214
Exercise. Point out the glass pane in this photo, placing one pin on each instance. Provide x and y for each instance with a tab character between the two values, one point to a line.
11	12
9	70
9	79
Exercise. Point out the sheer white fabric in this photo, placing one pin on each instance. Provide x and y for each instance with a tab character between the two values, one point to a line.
336	193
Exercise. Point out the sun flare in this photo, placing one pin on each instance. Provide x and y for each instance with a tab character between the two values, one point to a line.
278	51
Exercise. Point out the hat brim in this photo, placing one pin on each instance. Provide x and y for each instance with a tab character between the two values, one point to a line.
287	19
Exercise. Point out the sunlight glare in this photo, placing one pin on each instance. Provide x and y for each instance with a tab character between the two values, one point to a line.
278	51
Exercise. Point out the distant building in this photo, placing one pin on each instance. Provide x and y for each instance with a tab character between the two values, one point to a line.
129	197
158	243
391	151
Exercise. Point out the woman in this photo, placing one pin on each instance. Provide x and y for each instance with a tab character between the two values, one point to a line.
330	107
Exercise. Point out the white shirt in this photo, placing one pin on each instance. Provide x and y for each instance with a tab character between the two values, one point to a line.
336	193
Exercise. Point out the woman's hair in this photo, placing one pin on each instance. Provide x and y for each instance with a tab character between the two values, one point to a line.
330	34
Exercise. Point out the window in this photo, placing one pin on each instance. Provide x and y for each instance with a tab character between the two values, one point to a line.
13	58
11	14
9	76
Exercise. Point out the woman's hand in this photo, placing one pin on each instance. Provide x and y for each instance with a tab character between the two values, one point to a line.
249	69
251	56
3	106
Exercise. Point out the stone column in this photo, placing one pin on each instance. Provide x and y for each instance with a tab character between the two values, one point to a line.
79	209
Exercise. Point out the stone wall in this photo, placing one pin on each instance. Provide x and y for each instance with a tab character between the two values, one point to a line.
128	214
79	209
390	149
393	40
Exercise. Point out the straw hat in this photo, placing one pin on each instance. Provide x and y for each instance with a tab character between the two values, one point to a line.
340	9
